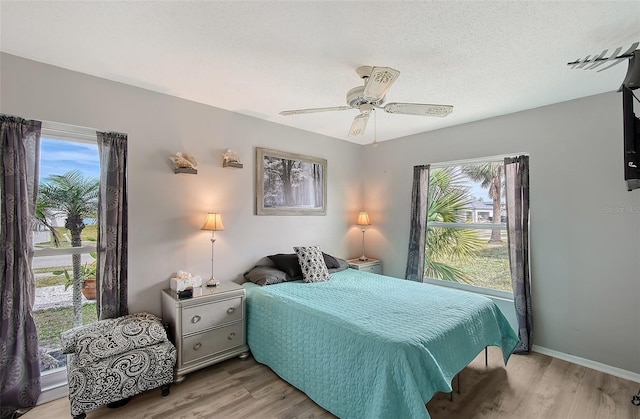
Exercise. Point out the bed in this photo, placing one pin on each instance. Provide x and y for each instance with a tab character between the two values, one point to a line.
363	345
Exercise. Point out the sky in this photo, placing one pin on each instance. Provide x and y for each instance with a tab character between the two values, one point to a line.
478	191
58	157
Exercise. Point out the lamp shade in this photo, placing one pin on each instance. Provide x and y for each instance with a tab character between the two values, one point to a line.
363	219
213	222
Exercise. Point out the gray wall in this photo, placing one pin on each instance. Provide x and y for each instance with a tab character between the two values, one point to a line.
584	224
167	210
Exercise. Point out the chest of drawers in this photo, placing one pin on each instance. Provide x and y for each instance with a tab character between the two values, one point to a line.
207	328
369	265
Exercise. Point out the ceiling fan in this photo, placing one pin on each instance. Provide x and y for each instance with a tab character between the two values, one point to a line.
371	96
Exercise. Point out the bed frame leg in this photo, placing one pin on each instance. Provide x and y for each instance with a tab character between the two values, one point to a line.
486	356
458	386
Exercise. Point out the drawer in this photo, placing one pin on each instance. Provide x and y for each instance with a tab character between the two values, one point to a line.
206	316
212	342
373	269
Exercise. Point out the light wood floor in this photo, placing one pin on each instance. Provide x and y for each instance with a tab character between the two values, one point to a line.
532	386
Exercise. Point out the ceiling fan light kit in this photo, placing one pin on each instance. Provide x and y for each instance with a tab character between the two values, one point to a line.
371	96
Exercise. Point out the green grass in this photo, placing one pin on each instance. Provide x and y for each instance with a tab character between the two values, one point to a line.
489	269
52	322
89	233
50	280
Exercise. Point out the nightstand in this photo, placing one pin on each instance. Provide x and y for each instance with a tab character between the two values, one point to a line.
371	265
207	328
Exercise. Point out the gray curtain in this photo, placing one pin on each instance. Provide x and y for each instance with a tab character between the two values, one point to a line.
111	284
517	199
418	231
19	358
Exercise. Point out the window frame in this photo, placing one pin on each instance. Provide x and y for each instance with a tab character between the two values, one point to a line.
53	379
471	226
69	133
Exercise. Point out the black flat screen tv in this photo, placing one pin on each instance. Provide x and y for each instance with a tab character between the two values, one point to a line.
631	128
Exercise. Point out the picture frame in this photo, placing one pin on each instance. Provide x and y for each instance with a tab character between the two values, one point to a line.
290	184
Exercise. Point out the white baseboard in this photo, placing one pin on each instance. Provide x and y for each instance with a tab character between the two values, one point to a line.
608	369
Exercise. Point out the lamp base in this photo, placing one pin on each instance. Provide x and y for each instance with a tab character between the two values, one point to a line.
363	258
213	282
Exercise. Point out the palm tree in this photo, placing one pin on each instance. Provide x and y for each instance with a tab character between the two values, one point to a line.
42	218
76	198
489	175
448	200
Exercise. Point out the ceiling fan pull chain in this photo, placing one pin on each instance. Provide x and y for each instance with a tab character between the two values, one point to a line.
375	129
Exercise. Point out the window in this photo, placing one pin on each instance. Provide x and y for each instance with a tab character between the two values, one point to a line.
466	227
64	237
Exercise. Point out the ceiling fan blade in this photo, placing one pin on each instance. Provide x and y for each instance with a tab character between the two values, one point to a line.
314	110
379	82
418	109
359	124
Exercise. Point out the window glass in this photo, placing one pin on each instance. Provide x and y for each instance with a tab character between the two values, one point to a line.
66	229
466	228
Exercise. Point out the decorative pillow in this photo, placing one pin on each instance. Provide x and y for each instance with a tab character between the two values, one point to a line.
287	263
330	261
312	263
266	275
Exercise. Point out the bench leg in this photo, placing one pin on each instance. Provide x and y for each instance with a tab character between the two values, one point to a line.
166	390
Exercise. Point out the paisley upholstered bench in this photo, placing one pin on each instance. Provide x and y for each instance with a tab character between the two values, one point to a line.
111	360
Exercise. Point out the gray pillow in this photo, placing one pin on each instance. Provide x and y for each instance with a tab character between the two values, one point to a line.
314	269
266	275
330	261
342	265
288	263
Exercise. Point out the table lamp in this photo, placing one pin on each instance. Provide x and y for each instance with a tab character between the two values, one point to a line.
213	223
363	220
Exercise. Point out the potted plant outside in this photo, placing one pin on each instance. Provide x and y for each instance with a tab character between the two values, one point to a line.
87	280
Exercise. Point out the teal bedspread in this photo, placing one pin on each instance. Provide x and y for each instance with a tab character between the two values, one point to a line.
368	346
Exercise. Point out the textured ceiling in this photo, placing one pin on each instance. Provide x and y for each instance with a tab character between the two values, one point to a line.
259	58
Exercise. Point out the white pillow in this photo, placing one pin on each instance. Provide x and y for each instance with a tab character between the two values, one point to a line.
314	269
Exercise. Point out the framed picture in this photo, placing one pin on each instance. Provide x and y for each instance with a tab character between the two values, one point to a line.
290	184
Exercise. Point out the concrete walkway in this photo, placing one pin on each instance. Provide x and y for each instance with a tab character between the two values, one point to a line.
55	297
60	260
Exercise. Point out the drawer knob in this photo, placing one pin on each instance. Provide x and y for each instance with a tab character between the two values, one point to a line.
230	310
231	336
197	346
195	319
